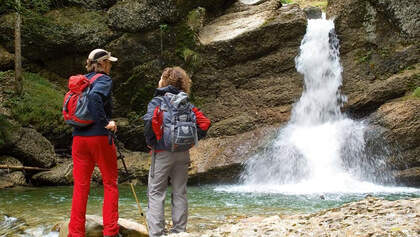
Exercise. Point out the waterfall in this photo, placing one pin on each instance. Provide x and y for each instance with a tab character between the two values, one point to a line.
320	149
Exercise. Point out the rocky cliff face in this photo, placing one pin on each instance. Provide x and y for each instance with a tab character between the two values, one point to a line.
380	57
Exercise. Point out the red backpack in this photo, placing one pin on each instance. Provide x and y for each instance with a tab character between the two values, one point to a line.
75	106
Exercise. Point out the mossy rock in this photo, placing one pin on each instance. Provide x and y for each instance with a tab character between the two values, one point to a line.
135	93
6	59
40	107
40	36
416	93
92	4
138	16
4	131
57	33
213	6
134	49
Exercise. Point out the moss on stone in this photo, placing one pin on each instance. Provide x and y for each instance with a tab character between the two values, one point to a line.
65	30
306	3
40	106
416	92
135	93
363	56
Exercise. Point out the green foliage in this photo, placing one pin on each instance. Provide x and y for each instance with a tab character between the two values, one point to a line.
28	6
192	59
185	39
416	92
41	29
40	106
135	93
163	27
286	1
195	18
364	57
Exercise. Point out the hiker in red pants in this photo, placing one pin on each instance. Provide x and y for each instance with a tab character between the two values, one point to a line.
91	147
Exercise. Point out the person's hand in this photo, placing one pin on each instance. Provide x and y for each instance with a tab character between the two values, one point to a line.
111	126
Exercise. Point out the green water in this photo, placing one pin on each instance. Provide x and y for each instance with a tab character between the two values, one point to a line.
34	211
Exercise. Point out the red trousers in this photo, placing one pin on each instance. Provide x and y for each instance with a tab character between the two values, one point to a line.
86	152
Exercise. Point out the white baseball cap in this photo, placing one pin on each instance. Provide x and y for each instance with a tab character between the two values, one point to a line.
101	54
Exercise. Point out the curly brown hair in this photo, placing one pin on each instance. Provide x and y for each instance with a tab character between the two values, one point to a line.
177	77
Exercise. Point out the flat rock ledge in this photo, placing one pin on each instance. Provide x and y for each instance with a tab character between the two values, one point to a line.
368	217
94	227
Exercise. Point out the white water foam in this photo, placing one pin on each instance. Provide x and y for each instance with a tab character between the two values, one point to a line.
320	150
39	232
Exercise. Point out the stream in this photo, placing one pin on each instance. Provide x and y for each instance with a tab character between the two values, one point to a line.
35	211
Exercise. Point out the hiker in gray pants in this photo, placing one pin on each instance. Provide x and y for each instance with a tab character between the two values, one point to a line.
172	126
175	166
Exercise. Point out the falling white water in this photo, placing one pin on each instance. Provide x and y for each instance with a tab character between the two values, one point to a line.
320	150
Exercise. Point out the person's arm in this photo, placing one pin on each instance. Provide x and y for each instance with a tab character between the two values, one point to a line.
153	120
96	108
203	123
100	90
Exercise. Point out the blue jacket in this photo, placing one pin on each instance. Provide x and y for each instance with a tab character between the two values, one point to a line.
100	107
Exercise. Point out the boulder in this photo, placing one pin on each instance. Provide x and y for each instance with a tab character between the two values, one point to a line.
92	4
131	133
231	39
220	159
7	59
143	15
249	57
52	37
11	177
138	164
368	98
61	174
402	126
94	227
31	148
6	183
133	50
137	16
403	14
409	176
313	12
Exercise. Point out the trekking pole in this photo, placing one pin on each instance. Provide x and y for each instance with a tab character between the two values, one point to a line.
121	156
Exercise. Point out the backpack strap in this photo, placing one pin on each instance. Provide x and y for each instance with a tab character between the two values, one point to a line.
165	100
93	79
66	102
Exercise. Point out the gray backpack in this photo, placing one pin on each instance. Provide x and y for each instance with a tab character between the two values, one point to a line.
179	122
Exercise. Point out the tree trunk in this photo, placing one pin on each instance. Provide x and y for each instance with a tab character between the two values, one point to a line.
20	167
18	53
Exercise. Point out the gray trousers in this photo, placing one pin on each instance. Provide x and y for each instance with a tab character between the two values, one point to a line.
173	165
